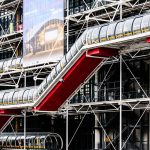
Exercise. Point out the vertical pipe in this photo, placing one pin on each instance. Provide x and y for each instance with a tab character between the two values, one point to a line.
149	133
67	25
25	80
120	9
67	51
149	115
96	87
120	122
67	127
24	115
16	126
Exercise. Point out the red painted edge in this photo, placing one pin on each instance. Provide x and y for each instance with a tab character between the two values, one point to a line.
102	52
148	40
82	63
77	73
3	115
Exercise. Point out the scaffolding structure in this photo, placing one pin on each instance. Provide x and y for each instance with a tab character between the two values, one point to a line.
92	96
99	13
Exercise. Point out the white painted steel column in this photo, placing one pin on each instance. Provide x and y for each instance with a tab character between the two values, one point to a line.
67	124
121	9
149	132
96	87
120	122
25	79
67	25
24	115
149	115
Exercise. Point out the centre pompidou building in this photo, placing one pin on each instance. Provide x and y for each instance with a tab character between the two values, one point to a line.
75	74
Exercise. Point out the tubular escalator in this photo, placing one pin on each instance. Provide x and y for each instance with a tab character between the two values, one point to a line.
38	141
76	66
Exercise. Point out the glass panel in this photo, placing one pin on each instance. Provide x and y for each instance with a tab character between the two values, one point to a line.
63	62
9	63
21	62
20	96
76	6
103	33
69	56
49	79
18	62
1	97
40	89
137	25
145	25
111	31
95	35
84	37
82	7
15	98
10	97
119	29
53	73
78	43
13	63
128	27
5	98
35	95
1	66
58	68
30	96
5	66
25	96
44	83
89	36
73	49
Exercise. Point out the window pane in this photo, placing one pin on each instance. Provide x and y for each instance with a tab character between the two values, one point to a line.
145	23
25	96
111	31
119	29
128	27
89	36
103	33
95	35
137	25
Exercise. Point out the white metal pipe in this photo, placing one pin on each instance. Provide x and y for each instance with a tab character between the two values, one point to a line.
24	114
120	122
67	123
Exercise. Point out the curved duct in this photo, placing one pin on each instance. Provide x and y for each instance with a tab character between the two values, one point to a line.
93	35
33	141
14	63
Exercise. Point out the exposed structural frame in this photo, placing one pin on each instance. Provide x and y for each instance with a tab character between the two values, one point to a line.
119	104
132	104
16	73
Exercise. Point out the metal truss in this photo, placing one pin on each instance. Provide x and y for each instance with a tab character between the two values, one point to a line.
112	10
12	77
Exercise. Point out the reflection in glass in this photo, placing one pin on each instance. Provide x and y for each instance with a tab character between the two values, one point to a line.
119	29
111	31
103	33
128	27
95	35
137	25
145	25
